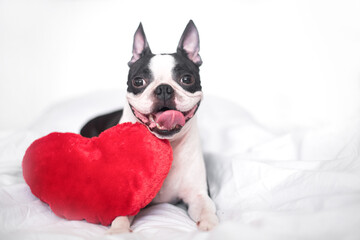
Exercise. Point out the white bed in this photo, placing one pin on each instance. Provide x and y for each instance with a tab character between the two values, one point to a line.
298	183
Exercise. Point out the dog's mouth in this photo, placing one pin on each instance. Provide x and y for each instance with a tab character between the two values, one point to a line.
166	121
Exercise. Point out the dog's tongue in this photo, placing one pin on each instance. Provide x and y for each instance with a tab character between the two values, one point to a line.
169	119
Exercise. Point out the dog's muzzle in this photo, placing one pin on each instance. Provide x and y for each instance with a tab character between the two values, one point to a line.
165	122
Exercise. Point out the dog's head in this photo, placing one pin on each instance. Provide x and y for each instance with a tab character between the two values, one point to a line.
164	90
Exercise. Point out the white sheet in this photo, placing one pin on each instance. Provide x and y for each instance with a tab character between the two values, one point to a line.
300	183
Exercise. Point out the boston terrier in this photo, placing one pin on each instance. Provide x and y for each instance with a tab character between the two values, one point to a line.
164	93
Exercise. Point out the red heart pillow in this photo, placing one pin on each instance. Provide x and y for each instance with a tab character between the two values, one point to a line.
99	178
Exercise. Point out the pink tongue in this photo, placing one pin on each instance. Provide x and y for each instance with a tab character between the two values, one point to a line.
169	119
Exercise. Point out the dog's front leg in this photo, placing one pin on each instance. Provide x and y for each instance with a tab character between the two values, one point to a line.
202	210
121	225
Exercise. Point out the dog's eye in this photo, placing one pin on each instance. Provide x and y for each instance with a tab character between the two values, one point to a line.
187	80
138	82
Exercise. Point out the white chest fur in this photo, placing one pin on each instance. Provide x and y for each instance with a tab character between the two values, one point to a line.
187	174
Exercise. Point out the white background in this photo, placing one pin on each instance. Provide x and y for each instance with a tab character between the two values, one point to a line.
290	63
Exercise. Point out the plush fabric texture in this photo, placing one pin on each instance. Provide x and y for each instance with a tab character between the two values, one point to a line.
99	178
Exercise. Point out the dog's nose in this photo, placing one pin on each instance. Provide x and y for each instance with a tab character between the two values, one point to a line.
164	92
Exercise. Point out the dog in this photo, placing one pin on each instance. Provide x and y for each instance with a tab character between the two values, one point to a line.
163	93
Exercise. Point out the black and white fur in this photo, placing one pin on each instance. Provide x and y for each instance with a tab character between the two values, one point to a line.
160	82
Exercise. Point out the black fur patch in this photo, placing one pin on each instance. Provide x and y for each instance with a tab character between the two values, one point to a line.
99	124
140	68
186	66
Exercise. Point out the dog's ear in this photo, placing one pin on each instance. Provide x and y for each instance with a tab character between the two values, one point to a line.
140	45
190	43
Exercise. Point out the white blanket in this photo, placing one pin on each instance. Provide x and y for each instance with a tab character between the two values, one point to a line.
299	183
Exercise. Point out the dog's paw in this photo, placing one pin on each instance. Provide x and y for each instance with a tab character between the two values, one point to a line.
207	222
120	225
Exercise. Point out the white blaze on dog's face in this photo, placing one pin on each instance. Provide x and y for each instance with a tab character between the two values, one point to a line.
164	91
